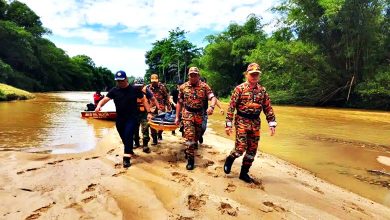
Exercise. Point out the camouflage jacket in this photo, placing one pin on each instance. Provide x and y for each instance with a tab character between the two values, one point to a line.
160	92
250	101
193	97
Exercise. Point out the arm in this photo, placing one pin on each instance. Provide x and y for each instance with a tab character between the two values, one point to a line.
102	103
147	107
269	113
210	110
230	111
218	103
179	105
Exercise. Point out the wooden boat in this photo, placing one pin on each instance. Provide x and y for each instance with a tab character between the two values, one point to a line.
99	115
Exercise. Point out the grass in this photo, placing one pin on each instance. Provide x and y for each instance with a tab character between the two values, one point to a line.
9	93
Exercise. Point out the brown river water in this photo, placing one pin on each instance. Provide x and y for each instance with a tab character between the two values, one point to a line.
337	145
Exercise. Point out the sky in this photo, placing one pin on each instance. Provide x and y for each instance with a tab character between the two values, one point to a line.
117	33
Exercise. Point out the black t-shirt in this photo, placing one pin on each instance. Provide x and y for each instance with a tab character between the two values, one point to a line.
125	101
174	94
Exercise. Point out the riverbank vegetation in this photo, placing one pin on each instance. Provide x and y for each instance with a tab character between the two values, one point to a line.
31	62
9	93
321	53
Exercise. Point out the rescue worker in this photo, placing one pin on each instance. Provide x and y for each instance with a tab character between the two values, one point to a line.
97	97
142	115
192	95
160	92
125	100
249	99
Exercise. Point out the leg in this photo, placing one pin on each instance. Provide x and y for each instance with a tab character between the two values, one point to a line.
154	136
136	133
204	127
189	134
145	135
240	146
249	157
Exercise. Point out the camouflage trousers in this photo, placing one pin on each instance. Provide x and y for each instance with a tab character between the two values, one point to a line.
192	123
247	139
142	120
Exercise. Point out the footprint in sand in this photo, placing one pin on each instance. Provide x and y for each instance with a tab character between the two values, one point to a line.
207	163
257	184
275	207
118	165
88	199
226	208
91	158
55	162
194	202
212	152
184	218
110	151
91	187
118	174
37	213
28	170
182	178
215	175
230	188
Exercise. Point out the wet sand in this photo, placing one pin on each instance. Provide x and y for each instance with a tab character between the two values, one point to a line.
157	186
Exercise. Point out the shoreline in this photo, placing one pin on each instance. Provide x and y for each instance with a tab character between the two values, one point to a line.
93	184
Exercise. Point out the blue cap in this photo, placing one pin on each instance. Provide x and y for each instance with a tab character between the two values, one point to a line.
120	75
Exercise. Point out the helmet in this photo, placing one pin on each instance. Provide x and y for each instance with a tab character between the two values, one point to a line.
139	81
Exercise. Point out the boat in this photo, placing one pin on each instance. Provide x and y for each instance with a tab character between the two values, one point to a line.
106	115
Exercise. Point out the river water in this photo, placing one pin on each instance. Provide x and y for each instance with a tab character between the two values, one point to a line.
50	123
337	145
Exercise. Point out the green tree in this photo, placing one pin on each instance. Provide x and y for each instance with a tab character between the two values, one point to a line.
170	57
23	16
223	62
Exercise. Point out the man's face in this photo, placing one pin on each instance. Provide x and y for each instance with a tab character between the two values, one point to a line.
253	77
122	83
194	78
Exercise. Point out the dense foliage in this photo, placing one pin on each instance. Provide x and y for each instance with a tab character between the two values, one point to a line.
323	53
33	63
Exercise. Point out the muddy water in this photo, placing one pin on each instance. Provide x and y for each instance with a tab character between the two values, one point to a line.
50	123
337	145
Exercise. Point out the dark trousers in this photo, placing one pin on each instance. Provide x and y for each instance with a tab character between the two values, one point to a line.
125	129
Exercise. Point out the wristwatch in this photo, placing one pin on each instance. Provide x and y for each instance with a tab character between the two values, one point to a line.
229	124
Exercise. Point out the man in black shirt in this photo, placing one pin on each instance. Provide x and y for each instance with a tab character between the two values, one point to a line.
125	99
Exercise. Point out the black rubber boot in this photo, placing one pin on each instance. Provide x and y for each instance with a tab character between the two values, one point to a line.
201	139
136	144
244	174
228	164
126	162
160	135
190	163
154	139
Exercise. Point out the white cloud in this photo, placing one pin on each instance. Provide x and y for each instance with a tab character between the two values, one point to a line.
154	18
99	24
128	59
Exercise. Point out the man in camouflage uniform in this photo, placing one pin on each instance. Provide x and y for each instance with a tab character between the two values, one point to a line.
192	95
142	114
160	92
249	99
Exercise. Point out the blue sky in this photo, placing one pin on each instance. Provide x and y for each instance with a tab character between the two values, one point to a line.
117	33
